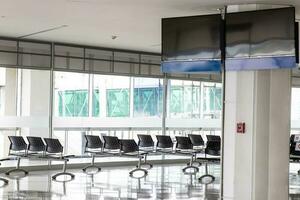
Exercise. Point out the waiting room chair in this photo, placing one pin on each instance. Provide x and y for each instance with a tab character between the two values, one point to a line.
35	145
146	143
213	148
184	146
164	144
129	148
17	148
54	150
94	146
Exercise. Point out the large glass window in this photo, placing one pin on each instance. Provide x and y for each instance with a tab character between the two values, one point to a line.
71	94
147	99
184	99
212	100
111	96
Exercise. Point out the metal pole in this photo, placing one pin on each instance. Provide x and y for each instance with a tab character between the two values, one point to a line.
223	59
51	93
164	111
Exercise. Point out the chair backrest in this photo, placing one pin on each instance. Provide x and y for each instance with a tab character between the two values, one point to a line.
213	138
93	142
294	145
35	144
196	140
53	145
164	141
128	146
145	140
111	142
17	143
213	145
183	143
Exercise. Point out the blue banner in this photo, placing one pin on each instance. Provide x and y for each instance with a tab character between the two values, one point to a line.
191	66
241	64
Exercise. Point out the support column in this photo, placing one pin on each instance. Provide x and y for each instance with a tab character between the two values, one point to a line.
256	164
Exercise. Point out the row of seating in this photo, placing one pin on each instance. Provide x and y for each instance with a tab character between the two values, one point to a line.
40	149
51	149
191	145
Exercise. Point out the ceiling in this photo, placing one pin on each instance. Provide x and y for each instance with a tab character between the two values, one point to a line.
136	23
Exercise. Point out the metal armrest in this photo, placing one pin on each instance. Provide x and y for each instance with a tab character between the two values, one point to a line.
68	156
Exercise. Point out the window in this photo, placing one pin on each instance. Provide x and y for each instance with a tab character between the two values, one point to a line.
184	99
71	94
111	96
147	97
212	100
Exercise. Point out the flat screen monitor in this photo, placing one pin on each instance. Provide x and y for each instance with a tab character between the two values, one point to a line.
191	44
263	39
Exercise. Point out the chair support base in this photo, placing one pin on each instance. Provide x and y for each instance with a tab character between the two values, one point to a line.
4	181
205	177
16	170
91	167
131	173
196	169
62	174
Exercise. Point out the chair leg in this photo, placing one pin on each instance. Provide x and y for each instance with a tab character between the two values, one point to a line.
190	166
194	160
206	178
92	166
138	169
54	177
145	163
17	169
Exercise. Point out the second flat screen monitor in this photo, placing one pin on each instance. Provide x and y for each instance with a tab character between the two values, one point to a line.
263	39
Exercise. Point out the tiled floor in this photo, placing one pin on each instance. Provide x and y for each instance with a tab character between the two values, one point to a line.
163	182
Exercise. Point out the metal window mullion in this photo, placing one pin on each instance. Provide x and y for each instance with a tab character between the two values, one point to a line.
113	62
18	46
90	95
164	113
51	100
131	93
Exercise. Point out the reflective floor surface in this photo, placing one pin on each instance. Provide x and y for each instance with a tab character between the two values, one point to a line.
162	182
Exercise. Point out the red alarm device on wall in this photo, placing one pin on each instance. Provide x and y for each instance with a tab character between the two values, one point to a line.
241	127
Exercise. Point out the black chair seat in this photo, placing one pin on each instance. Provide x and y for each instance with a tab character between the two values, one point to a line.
183	143
145	140
196	140
111	142
293	146
53	145
17	143
164	141
129	146
35	144
93	142
212	152
213	145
